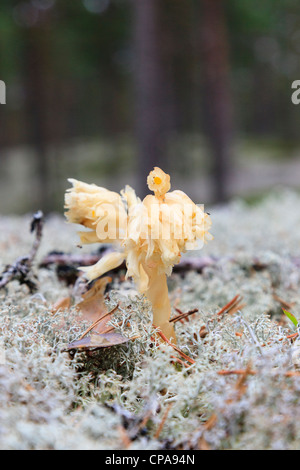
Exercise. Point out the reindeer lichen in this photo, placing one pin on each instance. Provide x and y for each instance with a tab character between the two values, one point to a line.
241	392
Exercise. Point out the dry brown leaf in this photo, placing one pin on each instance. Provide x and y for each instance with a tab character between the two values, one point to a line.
61	304
96	341
92	306
99	326
94	310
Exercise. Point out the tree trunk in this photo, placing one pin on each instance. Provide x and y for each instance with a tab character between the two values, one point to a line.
39	104
149	89
218	103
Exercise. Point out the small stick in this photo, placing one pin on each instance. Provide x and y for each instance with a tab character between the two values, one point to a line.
162	423
294	335
292	373
236	372
208	426
185	265
145	420
236	307
244	372
228	306
182	315
283	303
111	328
63	259
180	361
211	422
36	225
97	321
124	437
187	358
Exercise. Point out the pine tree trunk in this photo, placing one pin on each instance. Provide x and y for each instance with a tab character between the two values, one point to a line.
149	89
42	120
218	107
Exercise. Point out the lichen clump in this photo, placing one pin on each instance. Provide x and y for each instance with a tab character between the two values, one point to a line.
136	396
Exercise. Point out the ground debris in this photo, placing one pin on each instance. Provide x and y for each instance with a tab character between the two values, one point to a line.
240	387
21	270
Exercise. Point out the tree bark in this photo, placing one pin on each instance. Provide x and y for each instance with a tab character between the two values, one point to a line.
218	101
35	73
149	89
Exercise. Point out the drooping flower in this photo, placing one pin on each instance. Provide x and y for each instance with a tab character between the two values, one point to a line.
150	234
158	182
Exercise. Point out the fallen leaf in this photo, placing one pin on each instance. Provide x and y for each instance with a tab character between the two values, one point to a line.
92	306
61	304
94	310
97	340
99	326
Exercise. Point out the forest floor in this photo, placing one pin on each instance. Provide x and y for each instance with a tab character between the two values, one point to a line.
233	382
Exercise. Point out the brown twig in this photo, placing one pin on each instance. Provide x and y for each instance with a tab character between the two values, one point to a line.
180	361
111	328
211	422
145	420
244	372
162	423
85	259
182	315
283	303
69	259
208	426
230	305
236	372
97	322
292	373
124	437
294	335
182	354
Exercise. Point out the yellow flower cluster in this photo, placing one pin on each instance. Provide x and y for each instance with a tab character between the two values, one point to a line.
150	234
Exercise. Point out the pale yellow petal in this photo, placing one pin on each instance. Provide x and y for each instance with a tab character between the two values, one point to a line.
105	264
130	196
88	237
86	203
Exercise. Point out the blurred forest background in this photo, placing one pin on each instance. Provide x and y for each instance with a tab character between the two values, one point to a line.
103	90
